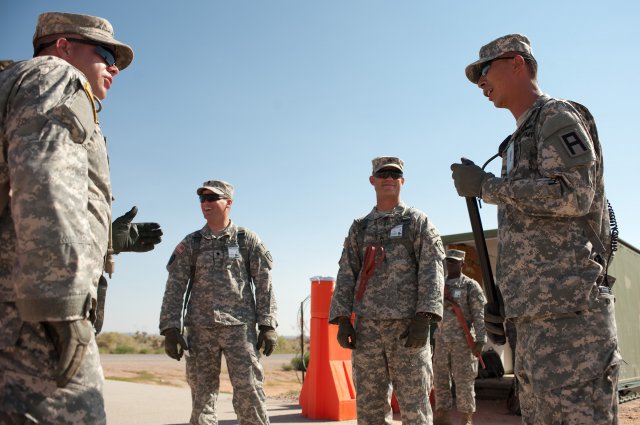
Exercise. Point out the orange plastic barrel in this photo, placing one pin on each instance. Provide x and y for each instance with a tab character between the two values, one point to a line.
328	391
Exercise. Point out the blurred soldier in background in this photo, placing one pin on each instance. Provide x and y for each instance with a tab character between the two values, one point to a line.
453	357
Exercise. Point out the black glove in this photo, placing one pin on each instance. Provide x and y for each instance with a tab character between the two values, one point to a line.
494	324
269	338
417	333
346	333
134	237
174	343
70	339
468	178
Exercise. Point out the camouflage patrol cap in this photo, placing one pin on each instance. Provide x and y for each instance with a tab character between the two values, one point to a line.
219	187
90	27
455	254
498	47
387	162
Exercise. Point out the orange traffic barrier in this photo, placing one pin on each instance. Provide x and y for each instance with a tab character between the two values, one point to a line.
328	391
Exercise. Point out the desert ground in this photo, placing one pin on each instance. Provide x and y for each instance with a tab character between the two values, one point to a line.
280	384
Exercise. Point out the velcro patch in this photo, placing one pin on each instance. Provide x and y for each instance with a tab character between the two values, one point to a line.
180	248
573	144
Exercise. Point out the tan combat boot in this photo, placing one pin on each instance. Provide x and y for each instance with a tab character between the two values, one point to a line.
465	419
442	417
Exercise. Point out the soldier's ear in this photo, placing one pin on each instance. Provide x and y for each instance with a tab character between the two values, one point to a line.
371	179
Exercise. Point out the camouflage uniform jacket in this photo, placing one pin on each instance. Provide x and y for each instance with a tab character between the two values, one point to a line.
551	186
54	235
470	297
222	292
410	278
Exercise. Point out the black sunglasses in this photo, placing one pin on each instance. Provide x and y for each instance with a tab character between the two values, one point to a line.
386	174
101	50
209	197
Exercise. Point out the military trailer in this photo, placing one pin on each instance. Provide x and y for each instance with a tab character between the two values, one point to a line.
625	267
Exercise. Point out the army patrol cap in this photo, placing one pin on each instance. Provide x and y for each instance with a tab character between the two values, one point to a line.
455	254
90	27
219	187
498	47
383	162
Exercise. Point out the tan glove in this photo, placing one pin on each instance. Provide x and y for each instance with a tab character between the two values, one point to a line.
70	339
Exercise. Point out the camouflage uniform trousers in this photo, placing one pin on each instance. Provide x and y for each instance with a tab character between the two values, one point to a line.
28	391
567	366
381	359
454	360
238	343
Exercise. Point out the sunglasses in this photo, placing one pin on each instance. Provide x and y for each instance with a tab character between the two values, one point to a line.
485	69
209	198
386	174
103	51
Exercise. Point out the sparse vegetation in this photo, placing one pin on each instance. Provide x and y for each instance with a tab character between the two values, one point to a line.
143	343
138	343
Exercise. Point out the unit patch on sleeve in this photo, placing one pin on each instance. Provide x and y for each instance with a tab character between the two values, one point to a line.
573	144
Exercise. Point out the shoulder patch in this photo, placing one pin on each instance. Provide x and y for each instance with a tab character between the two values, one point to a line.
564	131
180	248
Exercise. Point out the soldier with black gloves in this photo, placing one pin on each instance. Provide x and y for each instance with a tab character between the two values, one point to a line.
391	277
217	268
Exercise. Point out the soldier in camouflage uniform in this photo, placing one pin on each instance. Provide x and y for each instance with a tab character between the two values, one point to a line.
553	233
453	358
221	317
55	208
391	277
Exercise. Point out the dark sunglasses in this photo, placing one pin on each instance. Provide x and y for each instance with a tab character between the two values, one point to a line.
101	50
485	69
209	197
386	174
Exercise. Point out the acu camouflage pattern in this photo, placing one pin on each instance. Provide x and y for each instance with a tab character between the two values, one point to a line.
498	47
404	283
221	318
54	234
245	372
453	357
409	280
380	362
548	195
222	292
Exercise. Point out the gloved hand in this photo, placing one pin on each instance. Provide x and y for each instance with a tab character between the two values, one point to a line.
468	178
417	333
346	333
477	349
174	343
494	324
70	339
269	338
134	237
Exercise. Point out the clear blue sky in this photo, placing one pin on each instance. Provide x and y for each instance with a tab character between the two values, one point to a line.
290	100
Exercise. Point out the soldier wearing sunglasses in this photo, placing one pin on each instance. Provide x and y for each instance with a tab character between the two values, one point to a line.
391	277
223	271
55	215
554	242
